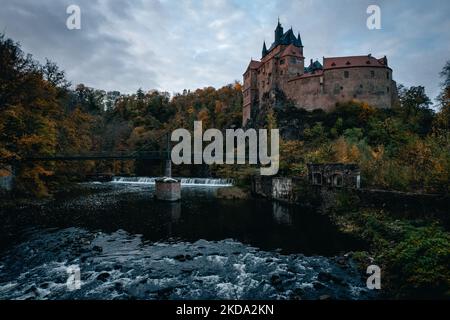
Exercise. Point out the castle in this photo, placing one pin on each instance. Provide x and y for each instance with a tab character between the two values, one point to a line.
320	85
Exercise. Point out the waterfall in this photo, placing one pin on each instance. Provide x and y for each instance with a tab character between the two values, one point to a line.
210	182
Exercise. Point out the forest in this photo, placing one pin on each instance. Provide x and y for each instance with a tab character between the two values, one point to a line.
41	113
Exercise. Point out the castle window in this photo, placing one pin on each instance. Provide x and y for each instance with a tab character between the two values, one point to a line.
282	61
387	75
346	74
342	88
348	63
293	60
367	62
388	89
333	64
281	72
372	74
361	86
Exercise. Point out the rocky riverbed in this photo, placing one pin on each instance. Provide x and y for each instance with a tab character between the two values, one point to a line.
126	246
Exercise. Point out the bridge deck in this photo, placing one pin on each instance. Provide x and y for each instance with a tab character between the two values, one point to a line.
132	156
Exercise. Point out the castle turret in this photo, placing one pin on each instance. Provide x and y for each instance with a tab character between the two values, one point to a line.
278	32
299	41
264	50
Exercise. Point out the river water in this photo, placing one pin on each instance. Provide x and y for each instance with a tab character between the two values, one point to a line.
123	244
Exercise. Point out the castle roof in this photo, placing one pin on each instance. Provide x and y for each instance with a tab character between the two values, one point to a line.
313	66
253	65
290	50
286	38
354	61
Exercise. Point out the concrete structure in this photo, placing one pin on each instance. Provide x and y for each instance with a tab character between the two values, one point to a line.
168	168
168	189
336	175
320	85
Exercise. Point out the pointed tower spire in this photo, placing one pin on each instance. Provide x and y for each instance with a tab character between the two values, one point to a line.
264	49
299	40
278	32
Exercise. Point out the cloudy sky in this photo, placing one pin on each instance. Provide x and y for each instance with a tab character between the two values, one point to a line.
172	45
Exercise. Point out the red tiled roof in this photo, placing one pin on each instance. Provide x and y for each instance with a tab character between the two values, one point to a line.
353	61
291	50
254	64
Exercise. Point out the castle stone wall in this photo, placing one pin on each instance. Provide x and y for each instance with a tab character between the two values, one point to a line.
372	85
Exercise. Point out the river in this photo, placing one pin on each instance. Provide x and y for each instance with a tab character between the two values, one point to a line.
126	245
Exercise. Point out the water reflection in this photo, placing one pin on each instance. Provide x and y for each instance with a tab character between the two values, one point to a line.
129	245
281	213
172	210
199	215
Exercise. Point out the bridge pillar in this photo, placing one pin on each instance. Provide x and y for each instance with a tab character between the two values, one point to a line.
168	168
168	189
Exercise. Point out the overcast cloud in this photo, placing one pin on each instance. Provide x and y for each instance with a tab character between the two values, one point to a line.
174	45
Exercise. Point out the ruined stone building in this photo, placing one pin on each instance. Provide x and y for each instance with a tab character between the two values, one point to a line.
319	85
336	175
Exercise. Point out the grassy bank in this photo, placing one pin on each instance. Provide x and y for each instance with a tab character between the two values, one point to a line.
414	255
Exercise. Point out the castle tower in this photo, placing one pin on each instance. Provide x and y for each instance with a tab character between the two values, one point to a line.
264	49
278	32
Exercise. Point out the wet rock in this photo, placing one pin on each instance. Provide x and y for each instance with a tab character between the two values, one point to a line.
32	289
341	261
325	297
318	285
186	270
165	293
275	280
297	294
328	277
45	285
182	257
103	276
97	249
323	276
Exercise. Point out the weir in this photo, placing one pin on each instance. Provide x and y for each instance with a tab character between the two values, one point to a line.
207	182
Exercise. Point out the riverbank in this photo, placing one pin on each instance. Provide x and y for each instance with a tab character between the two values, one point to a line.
413	254
407	233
